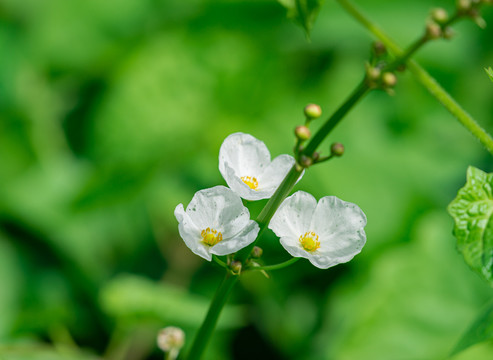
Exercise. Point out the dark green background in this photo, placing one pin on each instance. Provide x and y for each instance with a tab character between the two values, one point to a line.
112	112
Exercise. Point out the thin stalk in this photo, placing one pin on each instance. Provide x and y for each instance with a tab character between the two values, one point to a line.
207	329
270	208
276	266
424	78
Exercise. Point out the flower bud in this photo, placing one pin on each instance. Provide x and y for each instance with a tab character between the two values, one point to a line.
256	252
302	132
448	33
389	80
439	15
433	30
235	267
373	73
313	111
379	49
306	161
463	6
171	339
316	156
337	149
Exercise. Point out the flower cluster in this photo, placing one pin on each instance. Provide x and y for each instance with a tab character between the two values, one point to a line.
217	223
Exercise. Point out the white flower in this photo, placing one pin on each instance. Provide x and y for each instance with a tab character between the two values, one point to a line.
171	339
244	162
215	222
328	233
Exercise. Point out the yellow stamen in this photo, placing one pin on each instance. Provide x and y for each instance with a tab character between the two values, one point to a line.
250	181
211	237
309	241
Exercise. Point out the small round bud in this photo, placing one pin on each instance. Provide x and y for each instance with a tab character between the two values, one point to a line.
373	73
306	161
313	111
439	15
171	339
448	33
316	156
235	267
389	79
379	48
463	6
433	30
302	132
256	252
337	149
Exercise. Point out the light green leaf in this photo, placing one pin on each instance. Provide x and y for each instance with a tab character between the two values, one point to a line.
304	12
134	297
481	330
472	211
489	71
39	351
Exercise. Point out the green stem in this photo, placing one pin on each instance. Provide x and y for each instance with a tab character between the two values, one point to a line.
425	79
331	123
276	266
206	330
219	262
270	208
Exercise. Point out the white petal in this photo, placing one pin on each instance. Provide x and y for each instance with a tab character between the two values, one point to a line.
190	233
292	246
339	225
238	241
246	155
274	174
293	218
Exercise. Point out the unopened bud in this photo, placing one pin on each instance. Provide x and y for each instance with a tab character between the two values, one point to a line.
439	15
389	79
373	73
379	48
479	21
256	252
337	149
302	132
306	161
235	267
463	6
433	30
448	33
315	156
171	339
313	111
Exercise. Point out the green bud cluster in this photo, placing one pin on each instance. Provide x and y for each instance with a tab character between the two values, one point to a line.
378	79
470	8
437	25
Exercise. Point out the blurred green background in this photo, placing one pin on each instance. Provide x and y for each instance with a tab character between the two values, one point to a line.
112	112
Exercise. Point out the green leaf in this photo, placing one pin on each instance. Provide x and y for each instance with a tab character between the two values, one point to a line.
481	330
304	12
472	211
489	71
136	298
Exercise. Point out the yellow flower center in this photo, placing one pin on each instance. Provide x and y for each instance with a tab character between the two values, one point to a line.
309	241
250	181
211	237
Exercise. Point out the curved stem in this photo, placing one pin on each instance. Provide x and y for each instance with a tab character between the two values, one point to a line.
220	262
424	78
276	266
205	332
